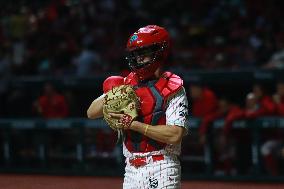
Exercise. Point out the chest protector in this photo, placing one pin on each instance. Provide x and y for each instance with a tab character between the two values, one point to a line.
153	97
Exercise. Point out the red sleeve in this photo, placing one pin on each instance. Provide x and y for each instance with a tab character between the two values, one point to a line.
64	110
42	105
280	107
207	120
206	105
267	107
210	100
234	114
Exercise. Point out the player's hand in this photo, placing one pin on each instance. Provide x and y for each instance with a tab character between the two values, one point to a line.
116	115
120	107
123	119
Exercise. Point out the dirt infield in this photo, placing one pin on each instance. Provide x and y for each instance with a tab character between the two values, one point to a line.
11	181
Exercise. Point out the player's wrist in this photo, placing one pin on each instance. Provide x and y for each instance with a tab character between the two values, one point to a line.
134	125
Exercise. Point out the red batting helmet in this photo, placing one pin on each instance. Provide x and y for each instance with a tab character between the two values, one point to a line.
147	50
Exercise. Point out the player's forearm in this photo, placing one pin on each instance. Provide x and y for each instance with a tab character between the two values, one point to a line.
162	133
96	108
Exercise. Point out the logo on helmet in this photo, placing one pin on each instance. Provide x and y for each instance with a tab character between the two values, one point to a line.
133	38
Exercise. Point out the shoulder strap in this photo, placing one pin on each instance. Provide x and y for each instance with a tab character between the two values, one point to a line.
168	84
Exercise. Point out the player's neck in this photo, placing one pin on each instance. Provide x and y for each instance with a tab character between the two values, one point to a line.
158	73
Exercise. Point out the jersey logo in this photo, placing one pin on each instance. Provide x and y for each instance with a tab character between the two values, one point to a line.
183	112
153	183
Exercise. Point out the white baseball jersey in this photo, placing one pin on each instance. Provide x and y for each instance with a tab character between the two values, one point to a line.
164	173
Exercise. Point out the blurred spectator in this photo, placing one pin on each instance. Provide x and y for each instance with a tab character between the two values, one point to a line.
272	152
220	112
272	148
204	100
51	104
225	149
276	61
237	113
88	62
260	104
238	140
204	106
265	107
278	98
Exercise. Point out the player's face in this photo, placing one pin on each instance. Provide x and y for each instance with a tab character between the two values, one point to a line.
251	104
251	101
143	59
142	56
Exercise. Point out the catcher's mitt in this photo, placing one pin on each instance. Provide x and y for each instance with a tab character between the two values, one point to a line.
123	100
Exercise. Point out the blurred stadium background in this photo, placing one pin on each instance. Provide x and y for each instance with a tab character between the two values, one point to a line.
55	54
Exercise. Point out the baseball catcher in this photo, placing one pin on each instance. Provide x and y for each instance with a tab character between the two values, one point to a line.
150	107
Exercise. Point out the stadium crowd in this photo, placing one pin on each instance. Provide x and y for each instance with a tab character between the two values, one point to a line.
84	37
